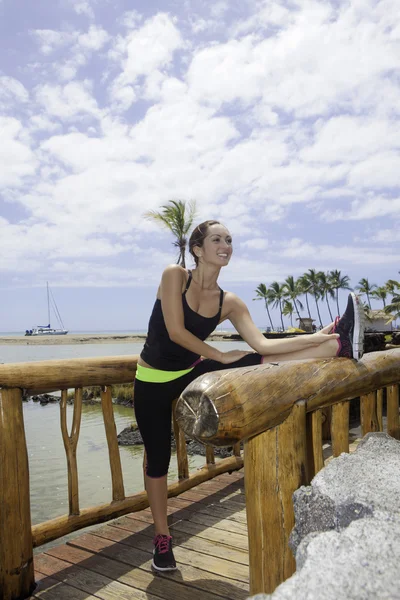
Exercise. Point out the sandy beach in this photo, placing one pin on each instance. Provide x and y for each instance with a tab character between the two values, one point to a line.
87	338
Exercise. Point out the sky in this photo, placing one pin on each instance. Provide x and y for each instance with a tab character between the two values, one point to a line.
279	118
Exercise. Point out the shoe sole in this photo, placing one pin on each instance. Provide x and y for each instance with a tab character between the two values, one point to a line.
359	325
162	569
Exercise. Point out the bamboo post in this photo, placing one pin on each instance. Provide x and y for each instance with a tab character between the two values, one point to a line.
70	445
369	417
326	423
210	456
16	554
315	456
118	492
393	426
340	428
274	466
236	450
181	452
379	408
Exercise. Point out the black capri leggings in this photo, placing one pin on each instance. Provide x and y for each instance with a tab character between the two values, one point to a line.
153	410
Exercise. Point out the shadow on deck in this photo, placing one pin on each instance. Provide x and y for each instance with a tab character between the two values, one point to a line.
113	562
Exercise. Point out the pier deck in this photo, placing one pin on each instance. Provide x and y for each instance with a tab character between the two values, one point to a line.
113	562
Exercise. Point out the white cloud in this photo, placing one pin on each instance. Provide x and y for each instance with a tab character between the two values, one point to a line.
144	51
83	7
368	208
17	160
255	244
12	91
69	101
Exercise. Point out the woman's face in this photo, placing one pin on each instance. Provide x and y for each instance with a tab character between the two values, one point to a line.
217	246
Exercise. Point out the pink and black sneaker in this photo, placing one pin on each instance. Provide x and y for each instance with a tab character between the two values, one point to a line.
351	327
163	557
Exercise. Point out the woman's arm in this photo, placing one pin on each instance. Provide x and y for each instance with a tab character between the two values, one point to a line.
172	283
240	318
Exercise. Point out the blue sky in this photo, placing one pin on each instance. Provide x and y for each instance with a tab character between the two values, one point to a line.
281	119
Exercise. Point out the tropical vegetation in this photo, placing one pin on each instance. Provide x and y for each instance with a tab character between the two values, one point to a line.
323	287
177	216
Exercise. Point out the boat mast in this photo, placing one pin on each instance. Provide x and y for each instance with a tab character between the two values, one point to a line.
48	302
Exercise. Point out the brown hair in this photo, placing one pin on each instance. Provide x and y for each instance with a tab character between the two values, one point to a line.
198	236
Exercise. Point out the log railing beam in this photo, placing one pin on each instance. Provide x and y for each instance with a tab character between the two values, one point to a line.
16	555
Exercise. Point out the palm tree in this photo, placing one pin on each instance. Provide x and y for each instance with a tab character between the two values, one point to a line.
304	288
365	287
326	289
288	310
381	294
277	295
178	217
263	294
394	307
293	291
391	286
313	281
339	282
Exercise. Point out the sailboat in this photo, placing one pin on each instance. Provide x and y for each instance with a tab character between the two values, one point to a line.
47	329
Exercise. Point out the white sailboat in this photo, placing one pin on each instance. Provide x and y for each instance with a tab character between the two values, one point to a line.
48	329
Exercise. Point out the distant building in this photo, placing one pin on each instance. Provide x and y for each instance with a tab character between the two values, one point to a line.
378	320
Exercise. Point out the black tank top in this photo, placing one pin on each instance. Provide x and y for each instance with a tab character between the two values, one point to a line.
160	352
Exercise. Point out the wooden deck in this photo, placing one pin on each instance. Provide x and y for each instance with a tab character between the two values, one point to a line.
208	524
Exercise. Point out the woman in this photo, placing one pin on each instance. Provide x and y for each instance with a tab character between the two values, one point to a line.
188	308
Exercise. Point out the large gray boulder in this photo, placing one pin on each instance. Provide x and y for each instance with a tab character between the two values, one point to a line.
347	533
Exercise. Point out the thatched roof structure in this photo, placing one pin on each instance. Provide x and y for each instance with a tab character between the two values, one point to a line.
377	315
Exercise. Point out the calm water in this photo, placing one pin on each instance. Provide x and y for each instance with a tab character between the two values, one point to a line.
47	461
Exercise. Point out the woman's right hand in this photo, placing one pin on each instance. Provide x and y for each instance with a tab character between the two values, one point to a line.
233	355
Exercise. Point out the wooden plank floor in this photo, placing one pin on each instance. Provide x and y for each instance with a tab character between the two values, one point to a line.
208	524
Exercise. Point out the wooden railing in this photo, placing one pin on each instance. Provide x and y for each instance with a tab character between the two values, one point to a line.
17	536
278	410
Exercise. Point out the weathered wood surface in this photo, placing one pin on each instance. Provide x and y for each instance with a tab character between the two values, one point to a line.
114	561
60	526
52	375
118	490
222	408
315	455
393	425
368	412
16	563
275	466
71	445
340	428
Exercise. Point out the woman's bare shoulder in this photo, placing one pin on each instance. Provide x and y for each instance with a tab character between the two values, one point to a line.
174	275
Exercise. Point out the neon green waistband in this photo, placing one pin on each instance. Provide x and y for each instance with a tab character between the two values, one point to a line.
157	375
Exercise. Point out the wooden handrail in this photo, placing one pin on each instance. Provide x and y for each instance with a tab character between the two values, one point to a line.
276	409
53	375
225	407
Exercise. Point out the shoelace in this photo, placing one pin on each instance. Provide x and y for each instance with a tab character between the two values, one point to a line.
161	543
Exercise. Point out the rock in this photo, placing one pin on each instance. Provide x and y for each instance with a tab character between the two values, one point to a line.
347	533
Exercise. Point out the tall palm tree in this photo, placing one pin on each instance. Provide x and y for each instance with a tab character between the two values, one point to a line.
326	289
391	286
313	281
365	287
339	282
277	295
263	294
178	217
394	307
292	292
304	288
288	310
381	294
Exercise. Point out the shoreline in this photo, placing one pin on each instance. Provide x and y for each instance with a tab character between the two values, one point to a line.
90	338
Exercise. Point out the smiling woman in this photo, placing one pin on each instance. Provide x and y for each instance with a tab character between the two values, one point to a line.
188	307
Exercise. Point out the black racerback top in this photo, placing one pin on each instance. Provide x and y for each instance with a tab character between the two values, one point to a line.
160	352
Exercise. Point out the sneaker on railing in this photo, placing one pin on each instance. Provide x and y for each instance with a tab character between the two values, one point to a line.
163	557
351	327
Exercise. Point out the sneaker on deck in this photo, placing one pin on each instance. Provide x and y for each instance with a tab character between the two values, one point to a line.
163	557
351	327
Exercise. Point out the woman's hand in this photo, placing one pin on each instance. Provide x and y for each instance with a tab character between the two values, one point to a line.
233	355
324	335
